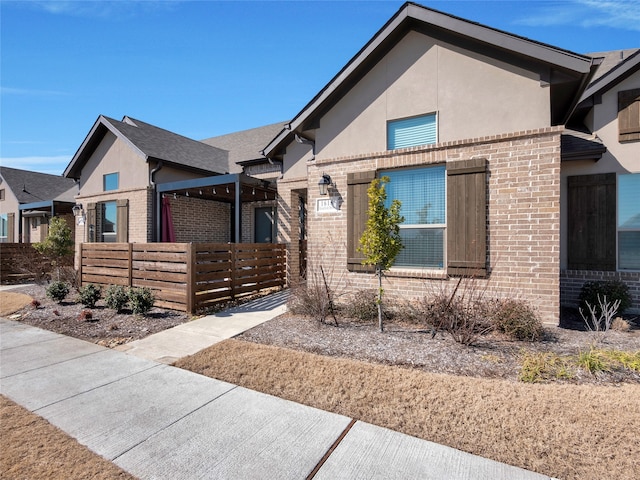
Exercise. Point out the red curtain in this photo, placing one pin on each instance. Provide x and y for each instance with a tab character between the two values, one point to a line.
168	232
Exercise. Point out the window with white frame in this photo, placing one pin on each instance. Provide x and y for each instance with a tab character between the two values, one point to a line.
4	227
421	192
109	221
412	132
629	221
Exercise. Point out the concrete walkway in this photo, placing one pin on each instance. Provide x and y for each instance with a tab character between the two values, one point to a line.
161	422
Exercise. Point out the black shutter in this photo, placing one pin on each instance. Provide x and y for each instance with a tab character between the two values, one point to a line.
467	218
357	214
591	207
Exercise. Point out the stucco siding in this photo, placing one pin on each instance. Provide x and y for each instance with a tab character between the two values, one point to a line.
473	95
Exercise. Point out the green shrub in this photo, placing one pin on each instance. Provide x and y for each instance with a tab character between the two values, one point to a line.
594	361
141	300
518	320
362	305
89	295
613	290
116	297
57	291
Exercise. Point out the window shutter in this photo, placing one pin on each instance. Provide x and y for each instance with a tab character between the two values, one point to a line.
122	220
629	115
44	230
467	218
357	208
11	227
91	222
591	207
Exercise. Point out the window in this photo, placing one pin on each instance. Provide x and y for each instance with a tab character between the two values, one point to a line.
4	227
109	222
412	132
629	222
422	195
110	181
629	115
1	194
427	206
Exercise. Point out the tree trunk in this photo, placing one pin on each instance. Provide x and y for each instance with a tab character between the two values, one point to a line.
380	300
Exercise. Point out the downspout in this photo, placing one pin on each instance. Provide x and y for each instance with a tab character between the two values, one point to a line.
155	203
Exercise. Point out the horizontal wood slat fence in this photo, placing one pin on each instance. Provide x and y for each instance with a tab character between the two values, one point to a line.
20	262
186	276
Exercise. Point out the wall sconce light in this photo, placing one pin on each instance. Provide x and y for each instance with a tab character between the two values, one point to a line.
77	210
324	183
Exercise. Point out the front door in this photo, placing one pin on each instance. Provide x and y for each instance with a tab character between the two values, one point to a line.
264	225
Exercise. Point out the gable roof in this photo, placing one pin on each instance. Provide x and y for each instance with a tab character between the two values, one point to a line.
153	144
615	67
246	146
31	187
569	71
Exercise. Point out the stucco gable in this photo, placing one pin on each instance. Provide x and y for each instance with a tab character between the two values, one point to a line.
153	144
566	73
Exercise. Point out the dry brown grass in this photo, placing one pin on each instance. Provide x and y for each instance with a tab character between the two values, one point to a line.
11	302
33	448
565	431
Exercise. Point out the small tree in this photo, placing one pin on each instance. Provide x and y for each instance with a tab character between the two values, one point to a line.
381	242
58	243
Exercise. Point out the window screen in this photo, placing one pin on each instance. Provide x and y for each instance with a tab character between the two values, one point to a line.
422	196
411	132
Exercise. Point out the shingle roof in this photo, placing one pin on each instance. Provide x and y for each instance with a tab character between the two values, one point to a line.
576	145
611	59
154	143
246	145
32	187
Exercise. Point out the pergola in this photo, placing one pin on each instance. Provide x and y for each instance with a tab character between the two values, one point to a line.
232	188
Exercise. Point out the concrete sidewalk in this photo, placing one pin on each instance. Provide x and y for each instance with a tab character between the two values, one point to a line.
191	337
161	422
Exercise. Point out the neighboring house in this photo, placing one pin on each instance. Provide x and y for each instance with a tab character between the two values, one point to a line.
468	122
141	183
600	194
28	200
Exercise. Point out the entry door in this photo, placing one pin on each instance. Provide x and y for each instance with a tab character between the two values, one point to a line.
264	226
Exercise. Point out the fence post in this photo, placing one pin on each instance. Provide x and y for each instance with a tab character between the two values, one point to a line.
80	264
190	259
130	262
234	260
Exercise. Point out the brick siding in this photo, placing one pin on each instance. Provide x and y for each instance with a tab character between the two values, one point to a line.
523	217
571	282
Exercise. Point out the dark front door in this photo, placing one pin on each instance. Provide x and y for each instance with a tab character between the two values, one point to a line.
264	225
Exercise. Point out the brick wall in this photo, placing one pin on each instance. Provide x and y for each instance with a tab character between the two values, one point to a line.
289	192
571	282
198	220
523	217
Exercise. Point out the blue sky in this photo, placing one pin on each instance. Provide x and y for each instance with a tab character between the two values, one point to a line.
205	68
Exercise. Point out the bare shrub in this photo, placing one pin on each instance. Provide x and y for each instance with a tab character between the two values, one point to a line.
600	316
317	296
464	313
619	324
517	319
361	305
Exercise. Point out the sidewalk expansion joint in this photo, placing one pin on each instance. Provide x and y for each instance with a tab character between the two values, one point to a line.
331	449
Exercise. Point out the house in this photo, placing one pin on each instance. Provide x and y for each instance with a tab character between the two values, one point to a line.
600	193
469	123
28	200
141	183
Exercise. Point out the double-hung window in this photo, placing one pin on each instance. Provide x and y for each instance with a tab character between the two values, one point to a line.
629	222
109	221
421	192
412	132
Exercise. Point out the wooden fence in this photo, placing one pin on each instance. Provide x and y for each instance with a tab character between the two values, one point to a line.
21	262
185	276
